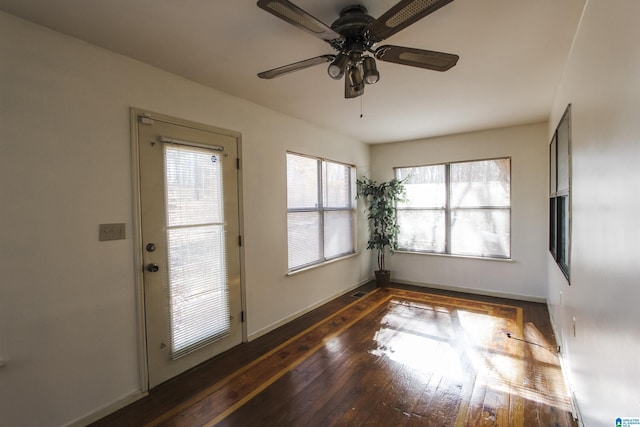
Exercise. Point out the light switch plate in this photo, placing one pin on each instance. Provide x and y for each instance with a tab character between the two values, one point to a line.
112	232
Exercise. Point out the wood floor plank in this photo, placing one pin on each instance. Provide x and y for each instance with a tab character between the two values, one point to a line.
371	396
400	356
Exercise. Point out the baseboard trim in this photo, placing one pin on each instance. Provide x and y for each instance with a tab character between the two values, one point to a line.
304	311
564	368
488	293
108	409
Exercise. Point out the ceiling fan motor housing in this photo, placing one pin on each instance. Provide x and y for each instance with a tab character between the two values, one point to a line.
352	25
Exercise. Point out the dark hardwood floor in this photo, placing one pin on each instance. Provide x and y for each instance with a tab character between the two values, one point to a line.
402	356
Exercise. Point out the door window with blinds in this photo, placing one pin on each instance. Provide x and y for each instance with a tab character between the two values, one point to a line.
457	208
320	210
198	296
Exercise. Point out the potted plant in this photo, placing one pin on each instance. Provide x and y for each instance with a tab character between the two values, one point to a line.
381	199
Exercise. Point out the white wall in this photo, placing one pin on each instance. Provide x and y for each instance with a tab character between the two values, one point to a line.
524	275
67	301
602	82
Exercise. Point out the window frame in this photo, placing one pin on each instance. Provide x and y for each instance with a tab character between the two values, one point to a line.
322	210
560	194
449	210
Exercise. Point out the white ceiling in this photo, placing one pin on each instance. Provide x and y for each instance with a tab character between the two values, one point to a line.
512	55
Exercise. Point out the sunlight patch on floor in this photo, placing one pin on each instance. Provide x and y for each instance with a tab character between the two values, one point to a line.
434	345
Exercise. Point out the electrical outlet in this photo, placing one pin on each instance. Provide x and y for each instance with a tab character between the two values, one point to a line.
561	302
112	232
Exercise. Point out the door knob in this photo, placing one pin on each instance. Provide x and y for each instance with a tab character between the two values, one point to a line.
153	268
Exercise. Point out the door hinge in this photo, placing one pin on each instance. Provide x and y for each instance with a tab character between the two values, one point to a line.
239	240
242	316
238	163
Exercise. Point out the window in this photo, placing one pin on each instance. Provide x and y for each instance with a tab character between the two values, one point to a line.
320	210
560	192
457	208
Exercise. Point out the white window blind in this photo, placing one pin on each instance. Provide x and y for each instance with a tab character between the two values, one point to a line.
198	297
457	208
320	210
422	217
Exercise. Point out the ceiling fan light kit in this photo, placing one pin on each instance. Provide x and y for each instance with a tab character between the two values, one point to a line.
337	67
354	35
371	74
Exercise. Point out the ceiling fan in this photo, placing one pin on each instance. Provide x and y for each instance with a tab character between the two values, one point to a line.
354	35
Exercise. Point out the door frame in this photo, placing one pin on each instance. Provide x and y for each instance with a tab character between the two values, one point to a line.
134	115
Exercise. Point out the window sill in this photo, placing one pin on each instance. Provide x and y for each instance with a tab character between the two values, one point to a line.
314	266
457	256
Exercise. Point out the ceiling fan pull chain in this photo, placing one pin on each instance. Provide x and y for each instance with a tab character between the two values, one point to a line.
361	115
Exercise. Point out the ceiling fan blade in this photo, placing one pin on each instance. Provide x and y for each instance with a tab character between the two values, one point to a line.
292	14
286	69
428	59
403	14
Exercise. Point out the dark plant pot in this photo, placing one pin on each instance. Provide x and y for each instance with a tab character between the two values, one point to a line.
383	278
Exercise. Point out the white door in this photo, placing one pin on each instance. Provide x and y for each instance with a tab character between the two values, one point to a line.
190	245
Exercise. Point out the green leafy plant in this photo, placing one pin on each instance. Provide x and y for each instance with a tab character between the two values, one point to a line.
381	199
